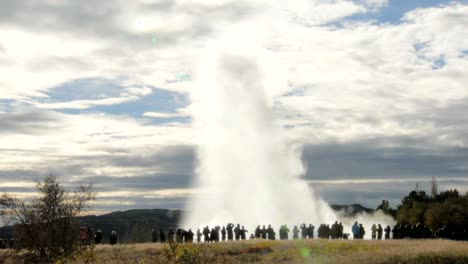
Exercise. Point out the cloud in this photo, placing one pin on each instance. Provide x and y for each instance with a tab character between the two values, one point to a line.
86	93
162	115
84	104
27	122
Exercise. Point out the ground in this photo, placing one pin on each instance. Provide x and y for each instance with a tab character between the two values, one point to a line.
301	251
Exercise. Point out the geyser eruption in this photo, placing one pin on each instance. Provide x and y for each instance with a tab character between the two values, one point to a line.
246	171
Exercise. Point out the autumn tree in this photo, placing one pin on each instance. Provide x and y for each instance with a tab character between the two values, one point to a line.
444	208
47	226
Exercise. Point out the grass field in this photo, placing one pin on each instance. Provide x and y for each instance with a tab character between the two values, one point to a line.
302	251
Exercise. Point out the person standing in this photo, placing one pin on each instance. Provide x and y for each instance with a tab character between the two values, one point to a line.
189	236
303	231
355	230
264	232
387	232
199	235
286	232
206	234
362	232
170	235
154	235
223	234
98	237
229	228
271	233
295	233
113	238
374	231
258	232
379	232
162	236
310	231
237	232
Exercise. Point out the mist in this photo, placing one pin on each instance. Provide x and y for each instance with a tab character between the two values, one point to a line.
247	173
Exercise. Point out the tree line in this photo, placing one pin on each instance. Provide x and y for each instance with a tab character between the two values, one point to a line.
437	210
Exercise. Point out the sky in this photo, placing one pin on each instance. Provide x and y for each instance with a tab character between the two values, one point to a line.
99	92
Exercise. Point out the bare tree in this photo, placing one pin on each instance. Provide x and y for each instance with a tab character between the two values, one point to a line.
46	226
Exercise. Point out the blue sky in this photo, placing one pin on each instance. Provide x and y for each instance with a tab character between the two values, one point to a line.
376	92
395	10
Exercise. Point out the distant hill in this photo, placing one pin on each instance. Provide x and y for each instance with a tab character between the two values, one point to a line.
352	209
131	225
135	225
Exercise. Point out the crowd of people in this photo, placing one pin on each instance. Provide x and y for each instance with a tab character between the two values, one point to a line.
420	231
7	243
324	231
88	236
238	232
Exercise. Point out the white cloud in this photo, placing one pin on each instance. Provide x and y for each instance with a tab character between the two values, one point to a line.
162	115
84	104
357	80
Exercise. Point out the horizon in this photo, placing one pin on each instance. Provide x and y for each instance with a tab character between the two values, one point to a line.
375	96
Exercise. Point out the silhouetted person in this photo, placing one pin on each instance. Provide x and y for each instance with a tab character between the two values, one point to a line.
206	234
189	236
243	233
387	232
355	230
374	231
271	233
230	234
310	231
154	235
83	234
213	235
395	232
237	232
98	237
113	238
379	232
264	232
361	231
162	236
335	230
170	235
179	235
286	232
217	228
295	233
12	242
303	231
199	234
223	234
320	230
340	232
258	232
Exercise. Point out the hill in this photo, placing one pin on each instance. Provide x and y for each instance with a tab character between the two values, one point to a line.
133	225
351	210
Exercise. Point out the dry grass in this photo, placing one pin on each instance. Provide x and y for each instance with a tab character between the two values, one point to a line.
301	251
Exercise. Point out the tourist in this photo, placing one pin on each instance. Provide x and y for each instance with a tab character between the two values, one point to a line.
374	231
295	233
356	231
113	238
